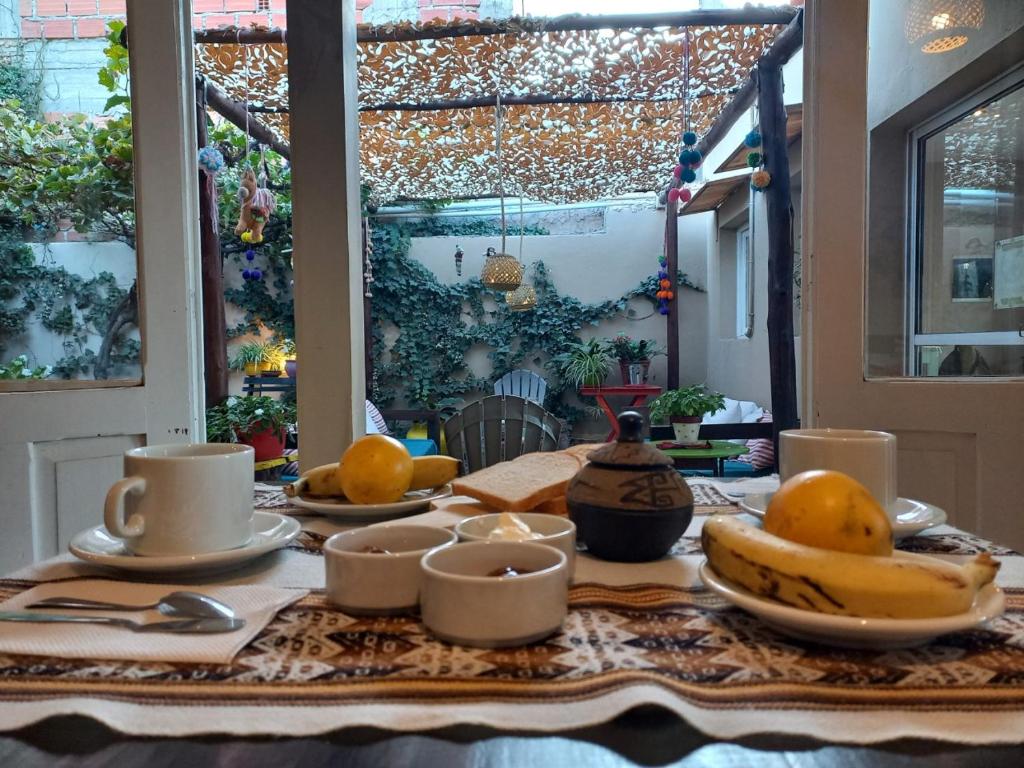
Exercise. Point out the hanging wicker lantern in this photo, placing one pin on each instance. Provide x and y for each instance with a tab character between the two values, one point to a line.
939	26
522	298
501	272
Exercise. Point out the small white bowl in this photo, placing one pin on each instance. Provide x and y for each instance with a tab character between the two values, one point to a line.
379	583
461	604
557	532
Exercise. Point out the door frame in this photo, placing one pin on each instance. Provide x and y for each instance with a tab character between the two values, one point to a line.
977	422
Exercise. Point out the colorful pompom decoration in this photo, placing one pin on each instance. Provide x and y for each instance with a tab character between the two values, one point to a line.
689	175
677	171
247	274
760	179
685	195
673	195
754	159
753	139
689	138
211	160
695	157
250	254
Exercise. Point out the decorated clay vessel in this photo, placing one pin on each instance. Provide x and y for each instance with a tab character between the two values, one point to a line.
628	503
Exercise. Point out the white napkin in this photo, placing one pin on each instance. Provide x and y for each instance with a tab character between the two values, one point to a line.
741	486
257	605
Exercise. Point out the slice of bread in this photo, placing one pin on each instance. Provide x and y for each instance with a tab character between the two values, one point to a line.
555	506
521	484
583	450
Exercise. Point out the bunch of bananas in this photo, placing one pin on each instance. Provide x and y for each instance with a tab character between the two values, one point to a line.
326	481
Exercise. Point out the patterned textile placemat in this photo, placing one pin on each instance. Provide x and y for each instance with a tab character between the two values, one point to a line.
635	635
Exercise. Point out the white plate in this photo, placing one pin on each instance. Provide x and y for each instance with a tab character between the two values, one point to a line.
912	517
850	631
272	531
414	501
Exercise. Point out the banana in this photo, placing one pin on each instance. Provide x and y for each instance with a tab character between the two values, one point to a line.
316	482
904	587
432	471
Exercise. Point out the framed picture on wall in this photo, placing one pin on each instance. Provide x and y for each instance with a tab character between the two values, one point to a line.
972	278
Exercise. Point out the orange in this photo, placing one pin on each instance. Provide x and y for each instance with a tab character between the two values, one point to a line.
830	510
375	469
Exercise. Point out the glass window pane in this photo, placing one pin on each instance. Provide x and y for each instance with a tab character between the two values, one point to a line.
68	306
972	197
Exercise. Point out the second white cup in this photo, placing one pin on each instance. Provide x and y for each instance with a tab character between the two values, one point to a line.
865	455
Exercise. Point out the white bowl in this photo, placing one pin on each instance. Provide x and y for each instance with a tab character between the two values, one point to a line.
557	532
376	583
460	603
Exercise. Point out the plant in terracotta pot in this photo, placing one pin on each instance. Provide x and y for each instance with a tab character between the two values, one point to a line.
684	408
634	356
585	364
257	421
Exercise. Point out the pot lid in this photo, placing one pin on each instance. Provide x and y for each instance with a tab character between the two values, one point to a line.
630	450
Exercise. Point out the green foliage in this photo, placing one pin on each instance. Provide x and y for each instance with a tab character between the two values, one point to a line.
585	364
18	84
695	400
18	369
627	350
244	416
435	326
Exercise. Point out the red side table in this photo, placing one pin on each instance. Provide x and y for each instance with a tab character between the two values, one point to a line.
640	393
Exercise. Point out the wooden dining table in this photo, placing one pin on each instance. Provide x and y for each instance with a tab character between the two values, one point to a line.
650	669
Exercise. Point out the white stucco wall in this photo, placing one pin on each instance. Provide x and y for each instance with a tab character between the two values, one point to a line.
80	258
598	266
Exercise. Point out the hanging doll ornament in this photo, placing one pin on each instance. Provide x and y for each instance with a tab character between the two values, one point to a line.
257	205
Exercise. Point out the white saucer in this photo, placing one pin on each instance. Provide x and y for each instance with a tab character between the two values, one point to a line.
414	501
272	531
912	517
850	631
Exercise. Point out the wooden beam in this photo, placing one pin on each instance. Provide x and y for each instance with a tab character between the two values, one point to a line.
215	337
779	205
234	112
718	17
672	267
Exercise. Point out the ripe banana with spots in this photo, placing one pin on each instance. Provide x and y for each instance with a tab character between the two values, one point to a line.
432	471
900	587
322	481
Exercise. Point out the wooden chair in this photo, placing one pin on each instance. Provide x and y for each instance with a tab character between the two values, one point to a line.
522	383
499	428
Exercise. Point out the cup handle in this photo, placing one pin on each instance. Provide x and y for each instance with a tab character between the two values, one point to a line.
113	516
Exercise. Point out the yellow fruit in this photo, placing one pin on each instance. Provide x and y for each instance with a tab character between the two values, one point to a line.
318	482
432	471
375	469
830	510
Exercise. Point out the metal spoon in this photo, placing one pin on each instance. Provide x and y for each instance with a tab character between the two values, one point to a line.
184	604
188	626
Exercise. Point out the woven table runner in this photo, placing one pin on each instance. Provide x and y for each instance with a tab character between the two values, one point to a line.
661	640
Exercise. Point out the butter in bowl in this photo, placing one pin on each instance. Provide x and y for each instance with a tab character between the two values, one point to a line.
538	527
376	570
494	594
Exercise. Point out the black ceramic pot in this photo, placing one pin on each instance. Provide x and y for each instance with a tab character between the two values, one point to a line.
628	503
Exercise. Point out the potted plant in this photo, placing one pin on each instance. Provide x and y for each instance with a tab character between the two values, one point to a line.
585	364
634	356
272	358
257	421
685	408
291	363
248	358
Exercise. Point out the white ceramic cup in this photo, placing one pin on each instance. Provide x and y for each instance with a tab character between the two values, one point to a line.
555	531
364	582
865	455
183	499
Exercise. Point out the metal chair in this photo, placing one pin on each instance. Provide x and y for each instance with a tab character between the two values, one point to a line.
522	383
499	428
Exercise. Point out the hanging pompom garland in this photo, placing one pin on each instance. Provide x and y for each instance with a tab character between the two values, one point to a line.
663	294
760	178
211	161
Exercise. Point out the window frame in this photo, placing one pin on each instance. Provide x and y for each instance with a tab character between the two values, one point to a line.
1008	82
743	328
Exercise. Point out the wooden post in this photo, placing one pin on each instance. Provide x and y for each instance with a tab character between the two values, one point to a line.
215	337
672	267
779	205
